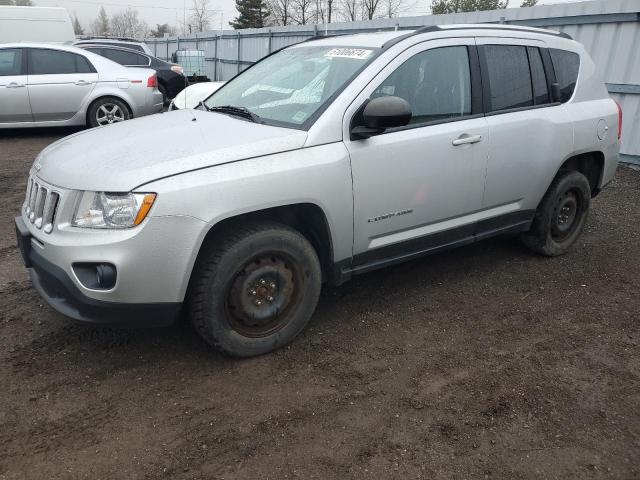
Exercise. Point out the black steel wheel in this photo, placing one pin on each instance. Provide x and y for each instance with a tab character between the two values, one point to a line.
561	215
254	289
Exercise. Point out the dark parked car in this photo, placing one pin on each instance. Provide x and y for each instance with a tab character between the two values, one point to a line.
171	79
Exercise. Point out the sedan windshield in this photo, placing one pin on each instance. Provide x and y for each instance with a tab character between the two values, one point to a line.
289	87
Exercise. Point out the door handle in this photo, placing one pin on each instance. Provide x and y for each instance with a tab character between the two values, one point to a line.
465	138
15	85
82	83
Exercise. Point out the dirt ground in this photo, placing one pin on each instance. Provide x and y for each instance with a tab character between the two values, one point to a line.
484	362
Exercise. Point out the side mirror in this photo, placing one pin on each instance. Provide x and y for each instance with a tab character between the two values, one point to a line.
379	114
556	95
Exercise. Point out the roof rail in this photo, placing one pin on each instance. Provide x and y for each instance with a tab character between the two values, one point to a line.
437	28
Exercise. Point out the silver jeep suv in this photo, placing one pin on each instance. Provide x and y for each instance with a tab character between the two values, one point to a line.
324	160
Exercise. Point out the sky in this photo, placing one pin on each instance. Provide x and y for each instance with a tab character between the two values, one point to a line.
172	11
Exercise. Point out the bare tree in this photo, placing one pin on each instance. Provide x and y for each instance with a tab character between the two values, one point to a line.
393	8
301	12
280	12
370	9
201	16
350	10
126	23
324	10
318	12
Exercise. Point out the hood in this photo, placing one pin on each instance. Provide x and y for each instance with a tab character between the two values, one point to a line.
120	157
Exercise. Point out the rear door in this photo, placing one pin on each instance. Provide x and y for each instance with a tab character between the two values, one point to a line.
14	97
528	132
59	83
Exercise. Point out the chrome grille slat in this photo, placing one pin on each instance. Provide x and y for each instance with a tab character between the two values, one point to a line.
42	204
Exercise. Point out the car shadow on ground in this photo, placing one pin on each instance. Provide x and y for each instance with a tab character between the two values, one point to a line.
75	346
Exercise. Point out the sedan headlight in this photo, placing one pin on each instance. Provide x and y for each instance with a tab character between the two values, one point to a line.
112	210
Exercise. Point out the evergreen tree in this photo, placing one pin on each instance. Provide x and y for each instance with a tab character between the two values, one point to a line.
101	24
253	14
529	3
77	28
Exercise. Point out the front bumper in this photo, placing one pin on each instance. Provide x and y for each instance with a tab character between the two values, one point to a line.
148	292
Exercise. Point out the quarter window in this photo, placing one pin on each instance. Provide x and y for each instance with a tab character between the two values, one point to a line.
538	78
436	83
566	65
10	62
48	62
509	77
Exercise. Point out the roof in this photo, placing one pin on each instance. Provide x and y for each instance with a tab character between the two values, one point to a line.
54	46
381	39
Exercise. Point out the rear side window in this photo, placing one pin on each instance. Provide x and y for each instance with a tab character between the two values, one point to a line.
124	58
509	77
52	62
566	65
538	78
436	83
10	62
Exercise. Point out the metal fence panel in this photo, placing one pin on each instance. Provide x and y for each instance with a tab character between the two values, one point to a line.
609	29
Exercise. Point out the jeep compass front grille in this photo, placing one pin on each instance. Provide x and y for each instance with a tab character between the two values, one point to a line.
42	203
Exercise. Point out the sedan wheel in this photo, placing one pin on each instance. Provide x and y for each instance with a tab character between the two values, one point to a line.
109	113
107	110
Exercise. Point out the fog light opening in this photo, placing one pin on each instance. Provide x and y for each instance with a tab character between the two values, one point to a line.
96	276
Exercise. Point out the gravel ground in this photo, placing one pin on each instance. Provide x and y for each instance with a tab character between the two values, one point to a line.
484	362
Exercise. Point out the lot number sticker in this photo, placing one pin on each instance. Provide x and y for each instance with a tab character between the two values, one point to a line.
358	53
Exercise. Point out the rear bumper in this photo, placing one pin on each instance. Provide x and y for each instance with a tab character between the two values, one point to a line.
61	293
153	104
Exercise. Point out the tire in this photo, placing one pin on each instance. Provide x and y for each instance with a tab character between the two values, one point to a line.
254	289
561	215
106	111
165	97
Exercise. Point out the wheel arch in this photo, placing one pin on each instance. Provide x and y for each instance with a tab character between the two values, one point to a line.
307	218
590	164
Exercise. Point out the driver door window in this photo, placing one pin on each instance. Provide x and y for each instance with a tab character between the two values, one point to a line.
436	84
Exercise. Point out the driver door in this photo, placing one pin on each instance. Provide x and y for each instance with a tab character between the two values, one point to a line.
417	187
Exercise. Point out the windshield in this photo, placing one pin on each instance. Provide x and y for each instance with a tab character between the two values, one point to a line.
288	87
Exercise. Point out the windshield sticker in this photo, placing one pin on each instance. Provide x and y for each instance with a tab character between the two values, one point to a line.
359	53
299	117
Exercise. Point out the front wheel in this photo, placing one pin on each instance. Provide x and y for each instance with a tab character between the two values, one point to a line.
561	216
255	289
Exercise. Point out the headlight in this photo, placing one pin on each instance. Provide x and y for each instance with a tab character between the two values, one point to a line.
112	210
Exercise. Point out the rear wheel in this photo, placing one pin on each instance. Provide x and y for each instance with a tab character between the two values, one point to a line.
561	216
255	289
106	111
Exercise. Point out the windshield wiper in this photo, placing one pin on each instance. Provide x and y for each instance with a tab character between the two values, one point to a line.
243	112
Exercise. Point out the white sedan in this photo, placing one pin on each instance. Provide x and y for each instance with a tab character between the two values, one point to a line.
191	96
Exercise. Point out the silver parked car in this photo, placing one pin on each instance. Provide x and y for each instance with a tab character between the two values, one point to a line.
325	160
45	85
